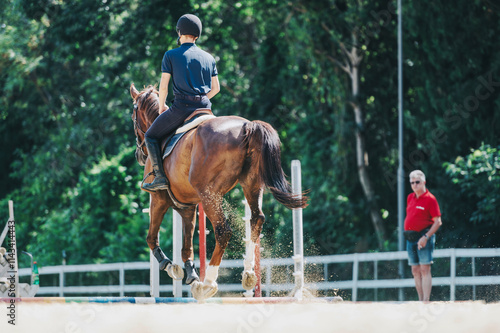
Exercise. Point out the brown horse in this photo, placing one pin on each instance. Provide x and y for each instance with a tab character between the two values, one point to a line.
206	164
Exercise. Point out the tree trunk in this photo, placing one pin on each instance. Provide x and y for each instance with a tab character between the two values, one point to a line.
362	159
350	64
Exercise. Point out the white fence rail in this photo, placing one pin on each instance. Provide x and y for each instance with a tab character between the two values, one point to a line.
267	265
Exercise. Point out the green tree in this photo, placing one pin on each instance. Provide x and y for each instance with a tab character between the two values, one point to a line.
66	66
476	178
101	219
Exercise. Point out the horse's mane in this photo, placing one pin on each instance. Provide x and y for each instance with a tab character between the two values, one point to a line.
148	101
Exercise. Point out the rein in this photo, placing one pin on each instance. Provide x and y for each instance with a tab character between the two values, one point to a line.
137	129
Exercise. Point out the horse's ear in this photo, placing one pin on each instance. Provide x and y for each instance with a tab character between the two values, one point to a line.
133	92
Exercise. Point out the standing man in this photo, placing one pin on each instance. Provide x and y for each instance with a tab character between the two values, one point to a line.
195	82
423	219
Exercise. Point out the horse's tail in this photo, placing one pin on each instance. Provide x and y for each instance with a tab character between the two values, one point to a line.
263	144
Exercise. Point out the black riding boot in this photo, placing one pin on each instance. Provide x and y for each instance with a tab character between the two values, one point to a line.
154	153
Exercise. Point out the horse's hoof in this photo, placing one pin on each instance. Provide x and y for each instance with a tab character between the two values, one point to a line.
175	271
248	280
202	291
192	278
191	272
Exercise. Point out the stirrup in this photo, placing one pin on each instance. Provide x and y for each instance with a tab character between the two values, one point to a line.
156	185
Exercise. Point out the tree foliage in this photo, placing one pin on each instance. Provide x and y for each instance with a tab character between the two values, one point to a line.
476	178
65	69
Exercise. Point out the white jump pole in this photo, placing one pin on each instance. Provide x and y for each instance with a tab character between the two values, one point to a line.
154	274
154	266
298	245
176	250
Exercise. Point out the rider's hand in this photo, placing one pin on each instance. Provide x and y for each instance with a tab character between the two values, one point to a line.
163	109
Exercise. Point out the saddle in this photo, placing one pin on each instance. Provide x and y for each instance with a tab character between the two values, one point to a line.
194	120
168	144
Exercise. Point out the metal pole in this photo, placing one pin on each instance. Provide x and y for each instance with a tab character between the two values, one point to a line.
298	247
177	248
154	274
401	187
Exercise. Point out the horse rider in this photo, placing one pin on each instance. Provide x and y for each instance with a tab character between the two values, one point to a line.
195	81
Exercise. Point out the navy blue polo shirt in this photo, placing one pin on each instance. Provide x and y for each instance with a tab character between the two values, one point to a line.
191	69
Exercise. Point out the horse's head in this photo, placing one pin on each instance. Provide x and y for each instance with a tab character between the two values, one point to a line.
145	112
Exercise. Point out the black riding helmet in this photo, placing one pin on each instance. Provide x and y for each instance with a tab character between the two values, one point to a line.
189	24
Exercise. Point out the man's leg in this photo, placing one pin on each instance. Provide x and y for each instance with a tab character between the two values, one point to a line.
425	271
417	276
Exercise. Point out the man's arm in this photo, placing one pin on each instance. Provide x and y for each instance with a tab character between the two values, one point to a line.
422	242
215	87
165	79
435	226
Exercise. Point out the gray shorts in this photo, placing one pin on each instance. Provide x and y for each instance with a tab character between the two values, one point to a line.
422	256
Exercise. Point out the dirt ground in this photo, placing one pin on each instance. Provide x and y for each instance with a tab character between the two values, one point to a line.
407	317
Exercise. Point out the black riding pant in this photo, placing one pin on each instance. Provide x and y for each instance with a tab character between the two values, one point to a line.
170	120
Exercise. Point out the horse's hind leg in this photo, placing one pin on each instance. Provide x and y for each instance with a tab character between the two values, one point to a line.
212	204
254	199
157	209
188	226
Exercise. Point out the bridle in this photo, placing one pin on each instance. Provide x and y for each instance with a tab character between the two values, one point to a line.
137	128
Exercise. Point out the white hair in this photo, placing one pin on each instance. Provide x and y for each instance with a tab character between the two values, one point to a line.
417	174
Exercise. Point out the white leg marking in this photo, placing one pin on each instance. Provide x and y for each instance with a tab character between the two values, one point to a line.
249	262
211	274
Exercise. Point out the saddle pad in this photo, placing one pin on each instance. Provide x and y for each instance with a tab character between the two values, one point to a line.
170	145
192	124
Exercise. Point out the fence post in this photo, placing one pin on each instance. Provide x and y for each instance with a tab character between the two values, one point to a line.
61	281
375	274
355	274
269	279
473	259
122	280
453	271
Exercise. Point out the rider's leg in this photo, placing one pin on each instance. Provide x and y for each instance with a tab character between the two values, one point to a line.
164	125
161	127
154	153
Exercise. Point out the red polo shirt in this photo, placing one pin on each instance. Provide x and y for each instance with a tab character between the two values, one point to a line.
421	211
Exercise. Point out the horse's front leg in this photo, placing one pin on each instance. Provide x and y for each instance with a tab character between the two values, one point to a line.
188	225
158	207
